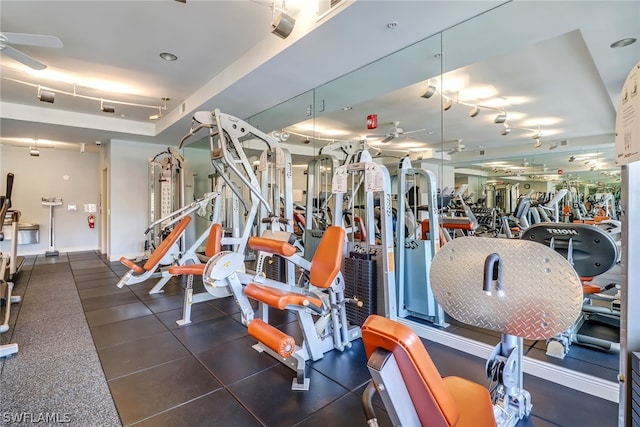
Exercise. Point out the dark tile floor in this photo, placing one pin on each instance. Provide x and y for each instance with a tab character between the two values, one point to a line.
207	373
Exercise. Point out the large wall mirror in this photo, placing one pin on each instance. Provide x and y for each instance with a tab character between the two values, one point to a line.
522	96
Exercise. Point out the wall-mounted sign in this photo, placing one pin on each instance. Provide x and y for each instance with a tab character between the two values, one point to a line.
628	120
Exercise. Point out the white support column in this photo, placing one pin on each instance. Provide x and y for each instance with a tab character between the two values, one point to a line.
630	317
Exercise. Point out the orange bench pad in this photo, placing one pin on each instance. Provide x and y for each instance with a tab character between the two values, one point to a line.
272	246
278	298
131	265
166	244
195	269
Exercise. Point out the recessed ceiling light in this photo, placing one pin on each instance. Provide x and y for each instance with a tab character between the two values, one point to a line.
168	56
623	42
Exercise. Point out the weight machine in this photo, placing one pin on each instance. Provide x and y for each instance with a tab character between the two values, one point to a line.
515	287
167	187
413	252
318	302
365	186
168	253
227	135
262	199
320	171
318	214
521	289
592	252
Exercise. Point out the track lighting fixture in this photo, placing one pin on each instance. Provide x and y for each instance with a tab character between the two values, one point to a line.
156	116
106	108
282	24
449	103
160	109
571	158
475	110
431	90
46	96
281	136
306	141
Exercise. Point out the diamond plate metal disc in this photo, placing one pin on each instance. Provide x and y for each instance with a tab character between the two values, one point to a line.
542	293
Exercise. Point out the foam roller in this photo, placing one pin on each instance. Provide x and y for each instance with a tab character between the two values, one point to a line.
273	338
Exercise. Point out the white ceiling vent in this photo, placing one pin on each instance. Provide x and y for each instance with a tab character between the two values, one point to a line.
325	7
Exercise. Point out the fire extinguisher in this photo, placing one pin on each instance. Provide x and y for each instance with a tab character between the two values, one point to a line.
91	219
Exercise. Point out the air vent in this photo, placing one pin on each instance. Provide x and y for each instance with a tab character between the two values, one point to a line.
482	152
564	142
327	6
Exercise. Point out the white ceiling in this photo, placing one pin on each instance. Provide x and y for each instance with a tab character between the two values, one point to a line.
554	56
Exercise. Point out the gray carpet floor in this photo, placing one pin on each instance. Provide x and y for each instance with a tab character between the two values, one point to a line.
56	377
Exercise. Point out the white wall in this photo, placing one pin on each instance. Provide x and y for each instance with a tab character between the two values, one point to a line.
445	175
44	176
128	195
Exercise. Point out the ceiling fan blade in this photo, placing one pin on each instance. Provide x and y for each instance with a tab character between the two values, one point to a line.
33	40
414	131
379	135
387	139
24	58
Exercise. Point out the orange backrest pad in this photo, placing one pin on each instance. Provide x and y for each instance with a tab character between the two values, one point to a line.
214	241
327	260
431	398
161	251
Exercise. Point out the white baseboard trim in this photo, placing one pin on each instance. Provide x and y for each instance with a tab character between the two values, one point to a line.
557	374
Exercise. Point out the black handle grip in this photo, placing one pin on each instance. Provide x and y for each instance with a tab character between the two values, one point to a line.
9	187
491	264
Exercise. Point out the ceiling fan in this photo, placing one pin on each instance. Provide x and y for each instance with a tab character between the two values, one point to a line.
455	149
395	132
7	40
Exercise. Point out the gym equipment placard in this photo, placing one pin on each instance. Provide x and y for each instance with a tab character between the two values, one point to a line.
628	120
